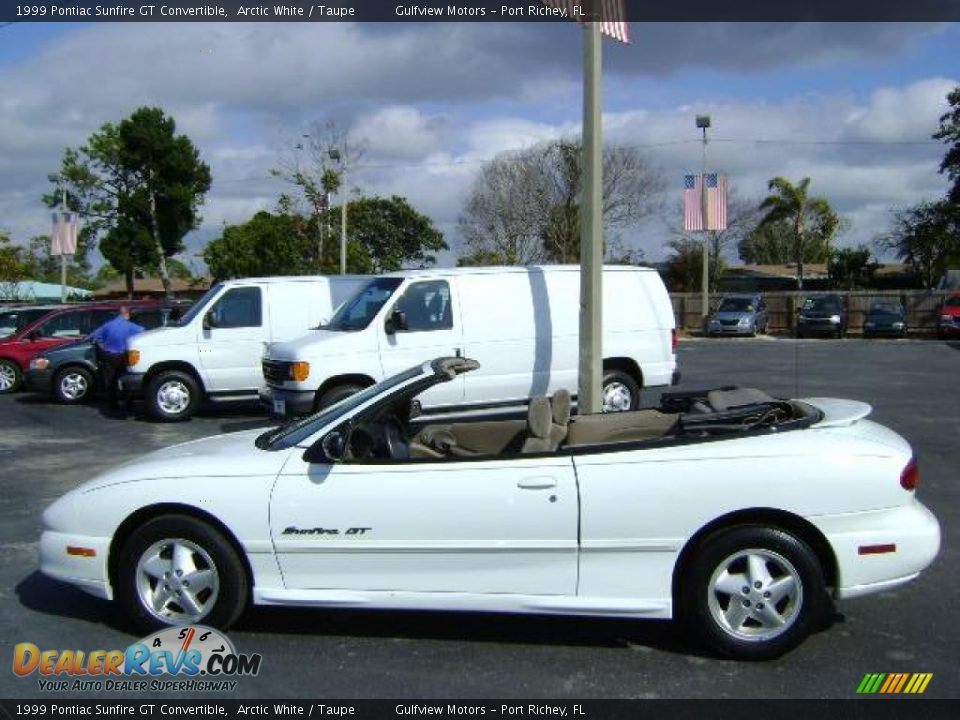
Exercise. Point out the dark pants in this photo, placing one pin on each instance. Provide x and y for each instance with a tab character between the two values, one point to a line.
111	368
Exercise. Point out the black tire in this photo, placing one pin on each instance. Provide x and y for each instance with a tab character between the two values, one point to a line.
11	377
331	396
232	581
701	607
73	385
625	383
164	409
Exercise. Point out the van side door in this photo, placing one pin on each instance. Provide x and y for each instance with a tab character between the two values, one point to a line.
231	340
423	323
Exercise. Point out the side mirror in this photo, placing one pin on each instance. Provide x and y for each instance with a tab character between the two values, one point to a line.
209	321
396	321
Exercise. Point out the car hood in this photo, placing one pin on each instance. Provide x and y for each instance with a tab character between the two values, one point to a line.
169	335
232	455
323	343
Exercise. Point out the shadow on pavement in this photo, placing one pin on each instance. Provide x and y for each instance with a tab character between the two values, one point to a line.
39	593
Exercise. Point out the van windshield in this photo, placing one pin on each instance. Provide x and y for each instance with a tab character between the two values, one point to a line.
198	307
360	310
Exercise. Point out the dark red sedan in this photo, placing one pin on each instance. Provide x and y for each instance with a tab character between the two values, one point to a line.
949	325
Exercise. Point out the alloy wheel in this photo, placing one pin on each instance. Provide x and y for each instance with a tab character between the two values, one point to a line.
177	581
73	386
173	397
617	397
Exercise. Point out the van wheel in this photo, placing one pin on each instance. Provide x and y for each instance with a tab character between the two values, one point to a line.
172	396
335	394
620	392
177	570
753	593
73	385
10	377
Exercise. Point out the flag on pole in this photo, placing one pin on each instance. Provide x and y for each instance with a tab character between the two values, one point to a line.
612	18
693	202
63	237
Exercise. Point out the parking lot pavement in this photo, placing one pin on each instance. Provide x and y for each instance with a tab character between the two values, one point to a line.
47	449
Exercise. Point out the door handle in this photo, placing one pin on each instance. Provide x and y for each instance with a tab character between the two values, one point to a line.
542	482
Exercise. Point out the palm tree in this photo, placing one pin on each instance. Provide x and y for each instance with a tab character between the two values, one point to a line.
810	218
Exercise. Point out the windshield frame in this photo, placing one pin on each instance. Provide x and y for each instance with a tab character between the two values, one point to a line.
354	299
822	304
749	305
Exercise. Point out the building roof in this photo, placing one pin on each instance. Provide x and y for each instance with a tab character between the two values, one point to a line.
152	285
35	291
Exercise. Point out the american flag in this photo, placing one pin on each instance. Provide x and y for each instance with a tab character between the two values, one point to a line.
63	237
693	202
612	15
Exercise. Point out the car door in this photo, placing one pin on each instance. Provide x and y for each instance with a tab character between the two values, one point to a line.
485	526
430	328
59	329
231	343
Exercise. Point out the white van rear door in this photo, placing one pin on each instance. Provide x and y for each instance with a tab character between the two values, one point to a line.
232	347
432	329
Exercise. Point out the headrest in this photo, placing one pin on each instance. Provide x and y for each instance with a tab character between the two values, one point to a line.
560	404
539	417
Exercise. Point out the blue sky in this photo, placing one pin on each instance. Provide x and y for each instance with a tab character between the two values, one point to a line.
430	103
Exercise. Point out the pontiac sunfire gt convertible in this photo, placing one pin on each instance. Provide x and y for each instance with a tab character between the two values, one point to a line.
739	513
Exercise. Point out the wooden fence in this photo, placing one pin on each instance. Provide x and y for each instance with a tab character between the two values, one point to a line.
922	306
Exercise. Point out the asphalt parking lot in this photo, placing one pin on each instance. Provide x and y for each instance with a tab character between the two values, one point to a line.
46	449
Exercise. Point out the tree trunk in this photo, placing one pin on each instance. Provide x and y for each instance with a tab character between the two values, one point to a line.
155	229
128	276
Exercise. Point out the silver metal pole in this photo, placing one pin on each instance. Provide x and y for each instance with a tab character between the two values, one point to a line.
589	392
705	279
343	222
63	255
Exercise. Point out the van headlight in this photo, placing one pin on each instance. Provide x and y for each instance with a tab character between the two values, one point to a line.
40	363
835	319
299	371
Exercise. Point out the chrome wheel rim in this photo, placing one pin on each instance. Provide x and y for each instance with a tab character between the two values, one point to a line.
617	397
73	386
177	581
755	595
173	397
8	376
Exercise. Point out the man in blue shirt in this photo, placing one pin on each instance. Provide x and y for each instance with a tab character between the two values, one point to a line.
111	339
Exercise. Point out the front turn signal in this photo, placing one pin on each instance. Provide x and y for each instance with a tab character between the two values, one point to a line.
300	371
133	357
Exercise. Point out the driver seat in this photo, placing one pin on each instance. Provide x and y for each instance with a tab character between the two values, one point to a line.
542	434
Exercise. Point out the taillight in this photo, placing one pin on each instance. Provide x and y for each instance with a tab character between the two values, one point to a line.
674	340
910	477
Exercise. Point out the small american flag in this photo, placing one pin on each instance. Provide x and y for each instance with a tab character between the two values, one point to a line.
63	237
693	202
612	15
692	206
716	201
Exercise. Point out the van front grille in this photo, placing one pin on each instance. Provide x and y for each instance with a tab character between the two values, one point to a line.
276	372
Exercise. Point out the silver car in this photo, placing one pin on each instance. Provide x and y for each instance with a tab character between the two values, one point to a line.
739	315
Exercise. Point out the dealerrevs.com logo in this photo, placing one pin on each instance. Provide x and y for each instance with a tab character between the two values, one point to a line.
200	658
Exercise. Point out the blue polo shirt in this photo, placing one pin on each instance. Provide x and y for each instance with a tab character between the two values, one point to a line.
112	336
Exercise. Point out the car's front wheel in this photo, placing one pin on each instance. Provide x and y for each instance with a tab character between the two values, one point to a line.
73	385
753	593
11	377
620	392
178	570
172	396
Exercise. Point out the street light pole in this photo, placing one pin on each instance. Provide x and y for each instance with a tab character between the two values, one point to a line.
63	255
337	157
703	122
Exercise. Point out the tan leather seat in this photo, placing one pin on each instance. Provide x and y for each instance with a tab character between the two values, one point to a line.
542	434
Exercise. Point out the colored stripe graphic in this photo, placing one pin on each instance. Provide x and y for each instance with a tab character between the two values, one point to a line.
894	683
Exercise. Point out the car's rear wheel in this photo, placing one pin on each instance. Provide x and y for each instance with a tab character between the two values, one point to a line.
11	377
620	392
177	570
172	396
753	593
73	385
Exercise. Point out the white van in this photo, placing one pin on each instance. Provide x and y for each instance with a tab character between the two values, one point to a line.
520	323
215	349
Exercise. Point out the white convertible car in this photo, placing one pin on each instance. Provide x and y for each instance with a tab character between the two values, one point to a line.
739	513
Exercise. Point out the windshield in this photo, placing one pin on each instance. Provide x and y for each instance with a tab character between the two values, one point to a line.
952	301
291	433
826	304
734	304
885	309
360	310
200	305
13	321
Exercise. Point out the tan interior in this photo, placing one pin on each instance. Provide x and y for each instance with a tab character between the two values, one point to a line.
618	427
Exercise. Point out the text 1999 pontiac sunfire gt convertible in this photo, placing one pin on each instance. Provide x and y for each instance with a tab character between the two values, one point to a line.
734	511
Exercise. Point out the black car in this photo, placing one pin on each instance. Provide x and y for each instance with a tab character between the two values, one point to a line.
822	315
70	372
886	319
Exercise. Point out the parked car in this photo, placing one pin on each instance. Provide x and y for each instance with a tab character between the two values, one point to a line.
15	319
887	319
822	315
214	351
70	373
739	315
58	326
949	325
739	513
520	323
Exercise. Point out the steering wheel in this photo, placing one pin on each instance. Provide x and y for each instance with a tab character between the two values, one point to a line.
395	438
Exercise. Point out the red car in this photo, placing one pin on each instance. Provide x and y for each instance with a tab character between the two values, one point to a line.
56	326
949	325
